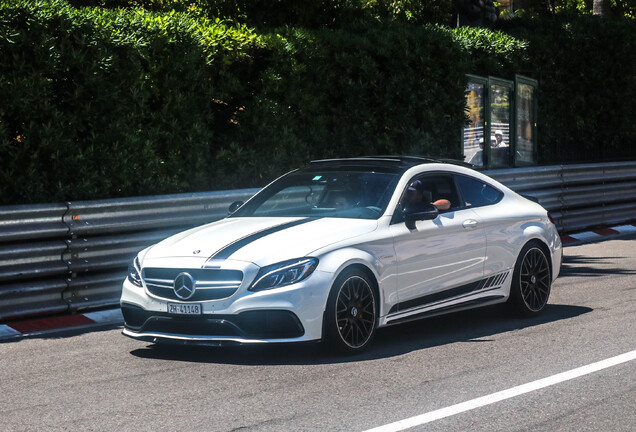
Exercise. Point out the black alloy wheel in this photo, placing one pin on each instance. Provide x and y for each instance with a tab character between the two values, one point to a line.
531	282
351	315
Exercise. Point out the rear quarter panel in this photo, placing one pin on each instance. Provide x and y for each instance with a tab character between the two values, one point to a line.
509	225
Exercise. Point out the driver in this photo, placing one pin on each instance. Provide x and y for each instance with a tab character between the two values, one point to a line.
415	194
342	202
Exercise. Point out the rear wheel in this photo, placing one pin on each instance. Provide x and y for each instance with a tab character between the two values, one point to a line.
531	281
351	315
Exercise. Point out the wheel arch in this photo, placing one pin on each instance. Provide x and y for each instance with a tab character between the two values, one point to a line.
330	332
544	247
363	268
530	296
339	261
372	277
366	270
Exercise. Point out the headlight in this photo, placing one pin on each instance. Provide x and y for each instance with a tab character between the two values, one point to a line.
284	273
133	273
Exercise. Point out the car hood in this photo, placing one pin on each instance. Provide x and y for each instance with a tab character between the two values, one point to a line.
262	241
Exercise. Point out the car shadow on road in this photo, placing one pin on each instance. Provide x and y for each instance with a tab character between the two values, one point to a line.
591	266
468	326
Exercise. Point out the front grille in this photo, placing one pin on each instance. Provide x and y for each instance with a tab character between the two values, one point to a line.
211	284
191	327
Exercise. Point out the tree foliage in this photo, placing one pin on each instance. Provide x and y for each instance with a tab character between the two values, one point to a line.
108	102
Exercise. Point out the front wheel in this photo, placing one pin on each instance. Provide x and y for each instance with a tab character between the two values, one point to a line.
532	280
351	314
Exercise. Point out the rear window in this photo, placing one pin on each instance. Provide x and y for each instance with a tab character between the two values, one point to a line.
476	193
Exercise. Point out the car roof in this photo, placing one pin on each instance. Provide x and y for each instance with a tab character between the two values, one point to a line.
397	164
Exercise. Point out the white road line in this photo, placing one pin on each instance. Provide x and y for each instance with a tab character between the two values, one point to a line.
505	394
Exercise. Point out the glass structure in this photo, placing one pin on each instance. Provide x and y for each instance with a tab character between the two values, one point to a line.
501	127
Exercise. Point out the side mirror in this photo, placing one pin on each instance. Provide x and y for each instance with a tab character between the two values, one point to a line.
235	206
419	211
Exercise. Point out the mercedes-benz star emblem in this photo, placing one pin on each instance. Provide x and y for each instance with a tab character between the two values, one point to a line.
184	286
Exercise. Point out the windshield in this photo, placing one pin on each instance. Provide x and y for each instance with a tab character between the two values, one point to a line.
311	193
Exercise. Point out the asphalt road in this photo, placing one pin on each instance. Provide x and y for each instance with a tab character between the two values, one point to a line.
99	380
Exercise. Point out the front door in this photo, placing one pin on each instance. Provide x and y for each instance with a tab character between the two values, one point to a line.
440	258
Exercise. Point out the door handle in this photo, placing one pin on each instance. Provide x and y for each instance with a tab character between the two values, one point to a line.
470	224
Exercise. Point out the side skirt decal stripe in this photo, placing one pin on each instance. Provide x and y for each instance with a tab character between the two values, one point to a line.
456	307
489	282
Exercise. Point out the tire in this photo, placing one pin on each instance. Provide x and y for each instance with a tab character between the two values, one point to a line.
531	281
351	313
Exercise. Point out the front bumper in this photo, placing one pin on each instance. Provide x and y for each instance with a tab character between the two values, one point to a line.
251	326
289	314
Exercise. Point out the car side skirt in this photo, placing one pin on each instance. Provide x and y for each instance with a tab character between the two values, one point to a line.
482	301
463	297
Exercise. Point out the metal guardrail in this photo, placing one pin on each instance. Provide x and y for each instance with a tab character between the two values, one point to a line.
73	256
578	196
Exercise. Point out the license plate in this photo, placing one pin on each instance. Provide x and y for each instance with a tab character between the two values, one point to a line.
184	309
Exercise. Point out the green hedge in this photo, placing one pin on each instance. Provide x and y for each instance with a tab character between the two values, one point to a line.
362	90
103	103
120	102
106	103
267	14
586	68
327	13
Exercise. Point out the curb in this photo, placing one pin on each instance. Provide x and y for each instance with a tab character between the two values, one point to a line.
597	235
42	326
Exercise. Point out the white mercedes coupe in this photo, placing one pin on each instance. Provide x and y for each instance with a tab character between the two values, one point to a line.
335	250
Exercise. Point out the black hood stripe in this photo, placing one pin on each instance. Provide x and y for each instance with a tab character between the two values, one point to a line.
228	250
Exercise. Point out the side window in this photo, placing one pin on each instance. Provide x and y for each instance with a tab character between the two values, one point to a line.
476	193
437	189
